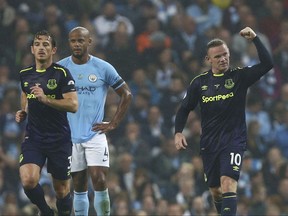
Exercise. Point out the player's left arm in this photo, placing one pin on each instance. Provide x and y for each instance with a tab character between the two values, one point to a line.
125	100
69	103
266	62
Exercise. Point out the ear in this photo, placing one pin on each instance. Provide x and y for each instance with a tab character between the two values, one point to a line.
32	50
54	49
89	41
207	58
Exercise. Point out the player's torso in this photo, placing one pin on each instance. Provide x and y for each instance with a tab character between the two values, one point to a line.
48	80
222	102
90	83
220	93
45	124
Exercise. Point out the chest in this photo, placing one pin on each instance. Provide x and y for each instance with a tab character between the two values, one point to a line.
218	92
49	81
218	86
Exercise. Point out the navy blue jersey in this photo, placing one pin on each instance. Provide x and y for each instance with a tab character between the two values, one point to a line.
46	124
222	102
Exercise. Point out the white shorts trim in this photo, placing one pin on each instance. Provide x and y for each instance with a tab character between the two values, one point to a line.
94	152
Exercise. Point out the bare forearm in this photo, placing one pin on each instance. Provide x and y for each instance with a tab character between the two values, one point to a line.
122	109
66	104
24	102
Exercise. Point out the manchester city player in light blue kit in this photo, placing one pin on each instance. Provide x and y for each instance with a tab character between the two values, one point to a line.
90	154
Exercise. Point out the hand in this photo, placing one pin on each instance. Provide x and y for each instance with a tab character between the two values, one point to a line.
20	116
248	33
180	141
39	93
103	127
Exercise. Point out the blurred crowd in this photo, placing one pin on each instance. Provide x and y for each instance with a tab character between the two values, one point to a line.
158	47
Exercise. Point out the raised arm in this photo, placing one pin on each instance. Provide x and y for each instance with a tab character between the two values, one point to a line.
266	62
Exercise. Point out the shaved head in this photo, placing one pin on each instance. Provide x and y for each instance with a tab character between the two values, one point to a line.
80	29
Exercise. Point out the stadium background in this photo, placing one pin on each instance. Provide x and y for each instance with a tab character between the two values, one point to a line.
157	46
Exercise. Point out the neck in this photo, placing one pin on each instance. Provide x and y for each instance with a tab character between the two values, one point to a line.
84	59
43	65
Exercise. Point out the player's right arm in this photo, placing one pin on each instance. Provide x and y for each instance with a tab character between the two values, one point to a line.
22	114
69	103
180	121
189	103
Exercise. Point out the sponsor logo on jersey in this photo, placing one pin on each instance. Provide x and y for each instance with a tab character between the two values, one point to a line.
32	96
51	84
26	84
86	89
206	99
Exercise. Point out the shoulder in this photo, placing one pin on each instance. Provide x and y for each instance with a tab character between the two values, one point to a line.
101	64
64	61
238	70
200	77
26	69
61	69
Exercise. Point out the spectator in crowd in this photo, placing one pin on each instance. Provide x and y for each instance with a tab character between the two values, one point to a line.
280	199
259	198
19	19
205	14
134	143
121	51
140	81
155	130
8	16
281	135
270	24
186	41
171	98
165	166
270	169
107	22
231	16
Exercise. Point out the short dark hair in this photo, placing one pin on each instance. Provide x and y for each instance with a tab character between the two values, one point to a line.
44	33
215	42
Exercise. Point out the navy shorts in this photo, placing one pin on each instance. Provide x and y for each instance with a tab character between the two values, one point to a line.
227	162
58	158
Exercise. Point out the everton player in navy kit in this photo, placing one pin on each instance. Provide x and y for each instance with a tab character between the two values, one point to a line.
221	93
48	93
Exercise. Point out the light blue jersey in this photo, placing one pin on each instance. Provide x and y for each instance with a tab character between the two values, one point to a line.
92	81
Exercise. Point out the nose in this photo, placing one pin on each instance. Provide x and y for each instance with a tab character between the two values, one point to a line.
223	58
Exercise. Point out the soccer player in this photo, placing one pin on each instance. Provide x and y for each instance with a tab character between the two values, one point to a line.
48	93
90	154
221	93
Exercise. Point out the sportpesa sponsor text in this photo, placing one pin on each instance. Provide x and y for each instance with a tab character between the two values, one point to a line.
206	99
